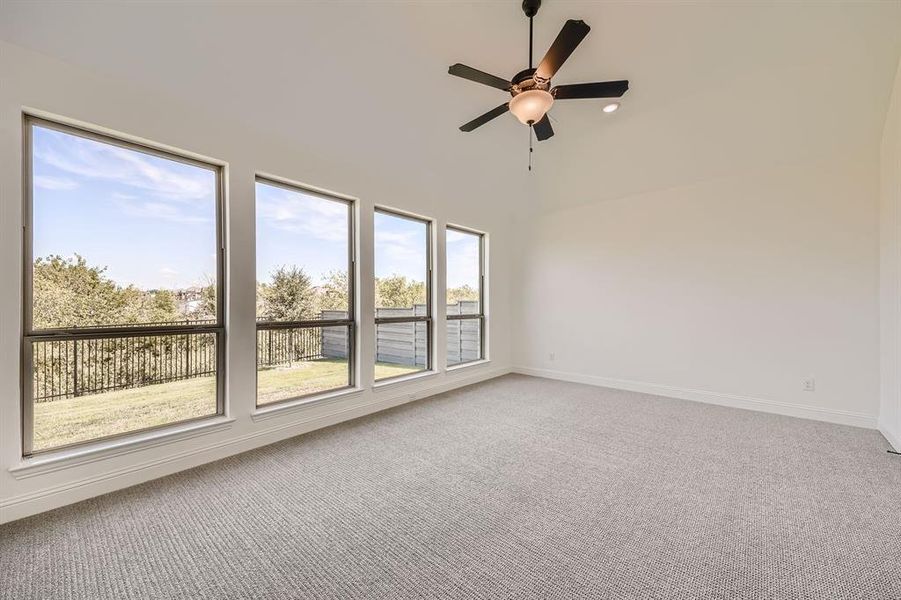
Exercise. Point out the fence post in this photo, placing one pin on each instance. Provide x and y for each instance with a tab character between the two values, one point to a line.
75	368
187	355
460	330
290	347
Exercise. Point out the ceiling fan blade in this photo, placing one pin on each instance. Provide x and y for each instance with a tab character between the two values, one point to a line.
491	114
602	89
570	36
543	129
479	77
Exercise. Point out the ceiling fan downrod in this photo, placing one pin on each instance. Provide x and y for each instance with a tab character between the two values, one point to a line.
530	7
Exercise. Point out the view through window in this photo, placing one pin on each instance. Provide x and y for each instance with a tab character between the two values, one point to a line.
403	312
123	319
305	316
465	285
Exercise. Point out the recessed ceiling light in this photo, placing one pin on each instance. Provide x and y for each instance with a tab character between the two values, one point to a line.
611	107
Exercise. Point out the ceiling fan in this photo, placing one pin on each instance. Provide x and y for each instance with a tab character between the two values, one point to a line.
531	91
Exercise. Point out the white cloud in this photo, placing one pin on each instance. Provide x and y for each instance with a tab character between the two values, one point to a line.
48	182
298	213
96	160
401	253
454	236
168	272
462	259
159	210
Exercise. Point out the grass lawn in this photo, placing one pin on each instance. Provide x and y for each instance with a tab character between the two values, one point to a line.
73	420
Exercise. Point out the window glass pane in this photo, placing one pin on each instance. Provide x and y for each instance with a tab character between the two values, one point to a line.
463	272
120	236
401	348
93	388
301	361
464	340
303	251
401	263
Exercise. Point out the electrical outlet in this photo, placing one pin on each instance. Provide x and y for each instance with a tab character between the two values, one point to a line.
552	356
808	384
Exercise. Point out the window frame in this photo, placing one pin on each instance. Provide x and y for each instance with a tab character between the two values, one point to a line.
350	322
471	316
429	317
30	335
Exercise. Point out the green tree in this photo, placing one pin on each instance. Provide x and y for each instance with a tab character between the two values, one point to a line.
334	292
69	293
397	291
289	296
206	308
464	292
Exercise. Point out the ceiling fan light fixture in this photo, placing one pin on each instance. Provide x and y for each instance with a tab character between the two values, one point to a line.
612	107
530	106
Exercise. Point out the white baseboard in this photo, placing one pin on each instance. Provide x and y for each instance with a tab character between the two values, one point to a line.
24	505
842	417
893	437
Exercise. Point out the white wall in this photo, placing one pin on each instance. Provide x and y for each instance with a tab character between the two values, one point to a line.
890	265
36	81
730	291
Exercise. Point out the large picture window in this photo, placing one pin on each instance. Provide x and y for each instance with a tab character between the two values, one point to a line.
465	255
123	311
305	296
403	307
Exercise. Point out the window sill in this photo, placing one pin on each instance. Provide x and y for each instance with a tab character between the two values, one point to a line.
64	459
393	381
291	406
466	365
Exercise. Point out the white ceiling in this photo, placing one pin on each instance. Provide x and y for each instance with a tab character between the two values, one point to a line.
717	88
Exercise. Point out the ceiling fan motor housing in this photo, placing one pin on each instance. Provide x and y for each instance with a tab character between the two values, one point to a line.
525	80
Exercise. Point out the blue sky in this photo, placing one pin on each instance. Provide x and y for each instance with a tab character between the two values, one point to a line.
295	228
152	221
462	259
298	229
400	247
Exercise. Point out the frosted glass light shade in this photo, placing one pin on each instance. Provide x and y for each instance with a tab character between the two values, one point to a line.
530	106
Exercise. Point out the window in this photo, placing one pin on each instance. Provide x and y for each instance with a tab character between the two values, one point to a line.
305	297
123	311
403	307
465	255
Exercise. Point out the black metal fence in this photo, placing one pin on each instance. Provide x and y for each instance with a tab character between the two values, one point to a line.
70	368
280	347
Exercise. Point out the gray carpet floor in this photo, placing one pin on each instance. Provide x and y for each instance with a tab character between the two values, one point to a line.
518	487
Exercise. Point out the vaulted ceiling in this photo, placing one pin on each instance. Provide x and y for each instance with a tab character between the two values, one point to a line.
716	87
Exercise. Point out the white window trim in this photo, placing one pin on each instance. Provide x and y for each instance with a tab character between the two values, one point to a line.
57	460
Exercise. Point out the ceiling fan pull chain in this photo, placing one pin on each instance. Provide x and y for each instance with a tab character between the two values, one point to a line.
530	147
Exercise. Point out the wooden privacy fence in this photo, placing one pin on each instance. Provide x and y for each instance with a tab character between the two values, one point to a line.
464	336
402	343
406	343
